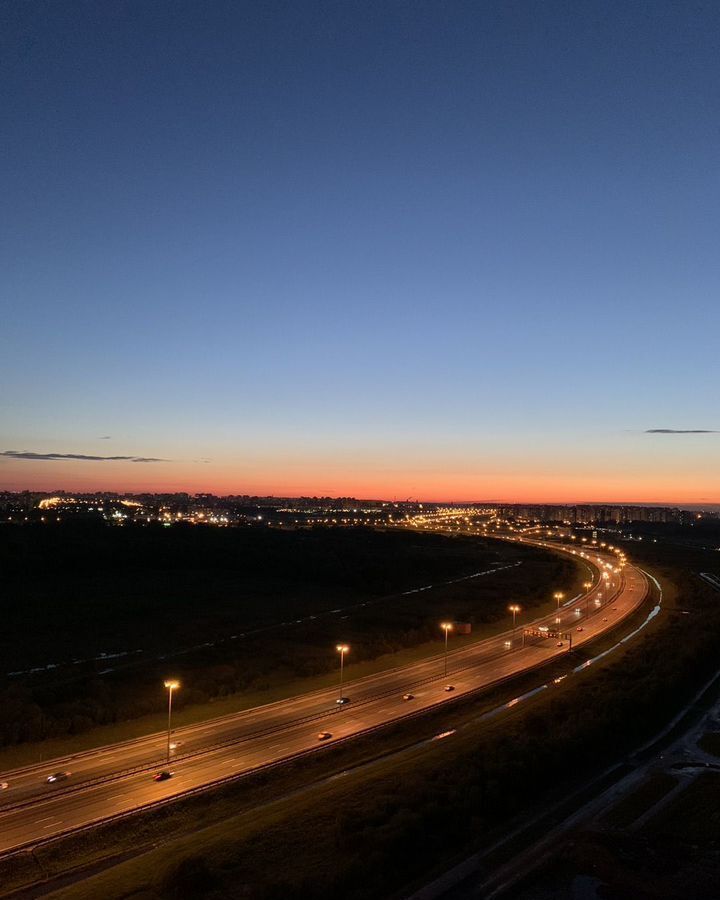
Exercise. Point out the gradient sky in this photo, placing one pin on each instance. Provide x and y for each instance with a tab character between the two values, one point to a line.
445	250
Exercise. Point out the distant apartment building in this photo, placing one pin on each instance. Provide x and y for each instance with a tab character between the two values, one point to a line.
591	514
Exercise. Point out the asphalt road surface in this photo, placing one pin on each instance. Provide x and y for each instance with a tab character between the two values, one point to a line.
118	779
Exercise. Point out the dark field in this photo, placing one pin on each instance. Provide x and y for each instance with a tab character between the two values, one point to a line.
630	808
114	610
710	743
99	589
674	856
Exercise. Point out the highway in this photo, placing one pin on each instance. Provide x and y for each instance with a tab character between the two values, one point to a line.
103	783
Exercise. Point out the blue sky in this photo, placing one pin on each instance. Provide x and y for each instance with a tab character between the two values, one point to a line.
401	248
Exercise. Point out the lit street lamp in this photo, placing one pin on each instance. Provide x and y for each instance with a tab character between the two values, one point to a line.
558	595
514	609
446	627
587	585
342	649
171	686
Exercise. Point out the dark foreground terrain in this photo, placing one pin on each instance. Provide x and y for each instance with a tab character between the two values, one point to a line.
387	814
94	617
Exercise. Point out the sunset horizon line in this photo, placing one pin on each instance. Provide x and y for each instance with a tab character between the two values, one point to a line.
366	498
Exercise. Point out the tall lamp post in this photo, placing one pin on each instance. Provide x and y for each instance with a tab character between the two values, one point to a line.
447	627
587	585
171	686
342	649
514	609
558	595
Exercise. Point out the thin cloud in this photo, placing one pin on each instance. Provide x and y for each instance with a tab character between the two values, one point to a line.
681	431
31	454
104	437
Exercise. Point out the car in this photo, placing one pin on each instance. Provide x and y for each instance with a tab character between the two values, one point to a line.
580	629
449	687
560	644
604	620
4	785
57	776
324	735
342	700
408	696
162	776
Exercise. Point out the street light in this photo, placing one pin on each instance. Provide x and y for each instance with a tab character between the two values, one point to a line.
171	686
446	627
587	585
558	595
514	609
342	649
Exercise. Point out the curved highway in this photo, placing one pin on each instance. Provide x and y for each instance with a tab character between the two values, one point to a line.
117	779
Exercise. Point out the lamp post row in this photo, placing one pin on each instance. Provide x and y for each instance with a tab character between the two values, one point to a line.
172	684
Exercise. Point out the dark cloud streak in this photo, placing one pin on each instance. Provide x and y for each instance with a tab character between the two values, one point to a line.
681	431
31	454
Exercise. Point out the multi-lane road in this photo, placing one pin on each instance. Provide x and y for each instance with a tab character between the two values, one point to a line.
117	779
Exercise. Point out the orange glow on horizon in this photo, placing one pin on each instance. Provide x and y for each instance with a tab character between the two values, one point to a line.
500	487
453	473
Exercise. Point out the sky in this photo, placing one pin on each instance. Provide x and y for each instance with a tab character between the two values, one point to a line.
441	250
